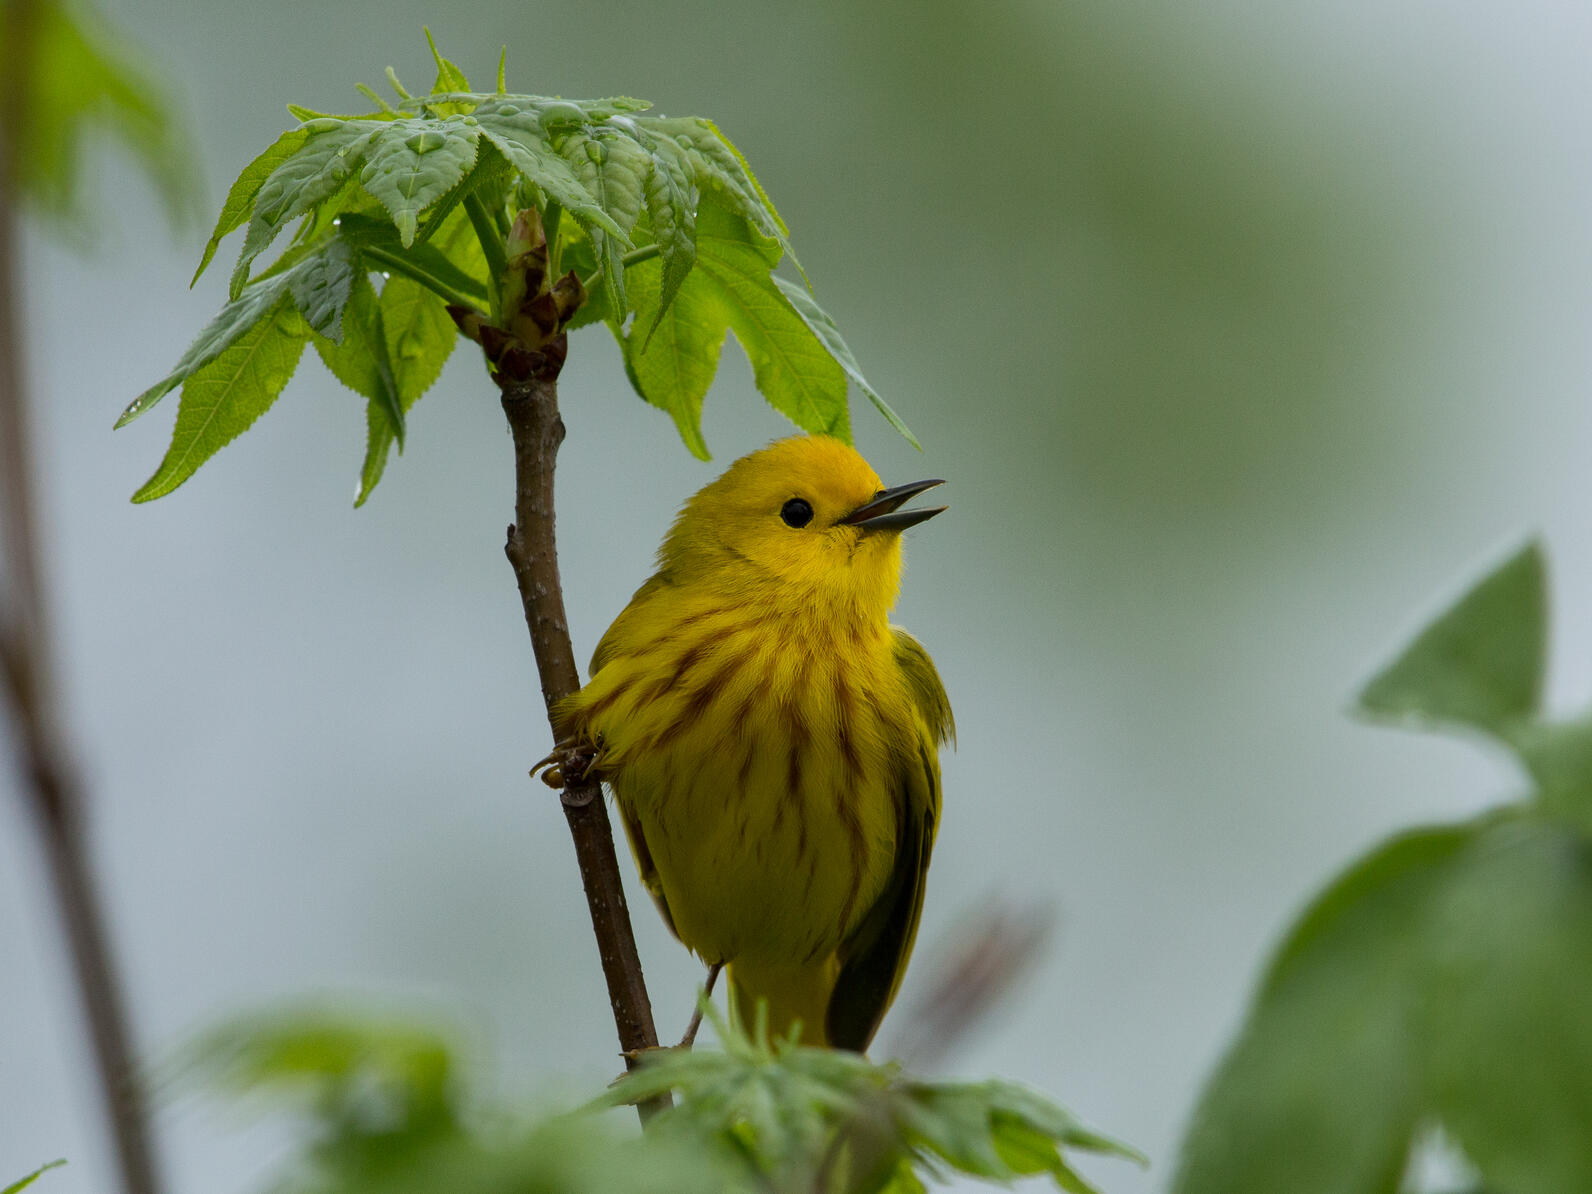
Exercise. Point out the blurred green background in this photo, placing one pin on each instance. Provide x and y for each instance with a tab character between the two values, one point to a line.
1243	333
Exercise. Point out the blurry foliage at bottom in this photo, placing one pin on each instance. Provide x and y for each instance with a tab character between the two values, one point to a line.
387	1110
22	1184
1444	980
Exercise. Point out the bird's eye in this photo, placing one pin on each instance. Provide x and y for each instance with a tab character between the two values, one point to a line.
796	513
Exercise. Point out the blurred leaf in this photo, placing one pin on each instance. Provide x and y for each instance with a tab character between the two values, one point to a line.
1389	868
331	1060
559	1156
1012	1104
221	400
81	75
1480	663
1444	977
903	1181
1510	1008
388	1112
17	1186
1001	1131
1559	757
1320	1092
1023	1149
960	1128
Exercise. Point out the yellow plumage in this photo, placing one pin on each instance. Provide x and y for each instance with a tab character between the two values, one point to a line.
771	740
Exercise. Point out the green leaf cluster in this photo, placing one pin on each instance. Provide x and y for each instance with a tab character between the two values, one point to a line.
1443	979
660	217
21	1184
387	1109
787	1117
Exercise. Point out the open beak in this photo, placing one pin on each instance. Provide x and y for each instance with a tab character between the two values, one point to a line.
884	513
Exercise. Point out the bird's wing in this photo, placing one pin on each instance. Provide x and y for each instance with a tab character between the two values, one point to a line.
608	644
874	958
924	683
645	867
606	649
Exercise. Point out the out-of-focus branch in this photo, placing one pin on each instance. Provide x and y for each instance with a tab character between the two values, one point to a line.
982	960
47	776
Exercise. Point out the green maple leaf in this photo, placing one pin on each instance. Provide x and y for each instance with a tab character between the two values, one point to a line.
673	235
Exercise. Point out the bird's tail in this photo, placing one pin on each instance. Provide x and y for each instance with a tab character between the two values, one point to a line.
792	992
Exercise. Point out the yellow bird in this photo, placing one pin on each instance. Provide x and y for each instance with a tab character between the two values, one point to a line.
772	741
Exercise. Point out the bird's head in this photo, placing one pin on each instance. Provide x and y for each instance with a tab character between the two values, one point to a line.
805	515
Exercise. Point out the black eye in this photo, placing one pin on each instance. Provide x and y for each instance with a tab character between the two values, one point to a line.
796	513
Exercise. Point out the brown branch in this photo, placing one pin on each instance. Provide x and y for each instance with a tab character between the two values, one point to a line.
531	406
48	776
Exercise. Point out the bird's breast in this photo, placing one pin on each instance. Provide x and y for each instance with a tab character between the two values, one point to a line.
756	756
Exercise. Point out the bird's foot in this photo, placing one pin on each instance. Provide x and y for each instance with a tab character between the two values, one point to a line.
571	764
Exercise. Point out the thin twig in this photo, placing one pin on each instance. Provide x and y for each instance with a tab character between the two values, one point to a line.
644	253
47	772
980	960
532	410
486	231
689	1038
400	263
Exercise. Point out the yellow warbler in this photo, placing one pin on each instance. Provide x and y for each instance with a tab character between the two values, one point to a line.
772	741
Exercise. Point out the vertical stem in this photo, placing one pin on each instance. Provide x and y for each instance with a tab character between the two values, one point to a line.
532	410
48	776
486	231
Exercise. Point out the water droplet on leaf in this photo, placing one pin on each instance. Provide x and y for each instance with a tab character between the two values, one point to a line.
322	124
562	112
425	142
